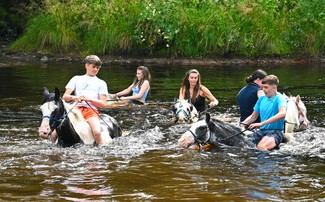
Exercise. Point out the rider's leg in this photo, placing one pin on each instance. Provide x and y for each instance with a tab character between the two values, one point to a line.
95	128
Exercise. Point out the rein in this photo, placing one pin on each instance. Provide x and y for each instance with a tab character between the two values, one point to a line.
65	114
205	111
233	135
97	114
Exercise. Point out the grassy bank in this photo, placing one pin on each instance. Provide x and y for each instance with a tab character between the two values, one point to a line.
178	28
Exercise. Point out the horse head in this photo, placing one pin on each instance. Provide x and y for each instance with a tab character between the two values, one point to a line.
184	112
198	135
296	116
208	132
52	111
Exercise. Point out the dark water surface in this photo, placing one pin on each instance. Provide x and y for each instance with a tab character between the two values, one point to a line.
146	164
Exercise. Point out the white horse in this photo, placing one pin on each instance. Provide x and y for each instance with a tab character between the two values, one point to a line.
296	116
185	112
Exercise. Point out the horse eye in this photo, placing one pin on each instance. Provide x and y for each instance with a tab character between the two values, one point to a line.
202	128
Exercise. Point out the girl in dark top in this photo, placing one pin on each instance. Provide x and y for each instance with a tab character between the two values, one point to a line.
248	95
195	92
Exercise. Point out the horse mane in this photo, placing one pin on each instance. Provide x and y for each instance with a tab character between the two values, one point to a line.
292	116
224	125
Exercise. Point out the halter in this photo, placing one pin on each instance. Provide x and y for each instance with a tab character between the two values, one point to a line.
187	114
199	142
300	114
58	122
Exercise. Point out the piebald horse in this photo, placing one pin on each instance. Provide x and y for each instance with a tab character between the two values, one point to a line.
208	132
69	123
184	112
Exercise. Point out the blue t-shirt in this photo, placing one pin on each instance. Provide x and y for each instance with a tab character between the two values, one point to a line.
268	107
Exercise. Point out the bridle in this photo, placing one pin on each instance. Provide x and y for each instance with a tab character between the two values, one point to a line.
201	143
58	122
186	113
300	114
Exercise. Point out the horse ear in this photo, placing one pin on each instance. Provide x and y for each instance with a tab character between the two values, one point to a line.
45	92
173	108
207	117
57	93
298	98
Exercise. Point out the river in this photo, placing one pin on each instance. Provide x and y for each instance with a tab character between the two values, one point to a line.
146	163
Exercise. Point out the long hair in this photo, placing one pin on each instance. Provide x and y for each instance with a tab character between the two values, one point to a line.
146	76
186	85
257	74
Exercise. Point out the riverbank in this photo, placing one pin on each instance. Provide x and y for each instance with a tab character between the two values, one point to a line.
23	58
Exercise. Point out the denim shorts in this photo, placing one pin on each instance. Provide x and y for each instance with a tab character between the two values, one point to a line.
277	134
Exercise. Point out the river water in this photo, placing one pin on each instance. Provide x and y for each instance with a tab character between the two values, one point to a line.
146	164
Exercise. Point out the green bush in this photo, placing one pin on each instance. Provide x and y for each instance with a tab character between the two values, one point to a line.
179	28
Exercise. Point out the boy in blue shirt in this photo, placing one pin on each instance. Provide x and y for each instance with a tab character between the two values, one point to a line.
272	109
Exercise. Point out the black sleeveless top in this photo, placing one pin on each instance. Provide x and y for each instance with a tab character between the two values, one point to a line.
199	103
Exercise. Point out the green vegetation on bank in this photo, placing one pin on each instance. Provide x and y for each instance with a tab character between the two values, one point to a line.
178	28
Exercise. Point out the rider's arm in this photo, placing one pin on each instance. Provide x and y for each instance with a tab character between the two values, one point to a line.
181	94
145	86
251	118
125	91
208	94
68	97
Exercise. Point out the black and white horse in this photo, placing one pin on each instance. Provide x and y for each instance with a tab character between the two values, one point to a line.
184	112
69	123
209	132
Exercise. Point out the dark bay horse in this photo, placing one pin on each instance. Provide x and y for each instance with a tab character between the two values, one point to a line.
69	123
209	132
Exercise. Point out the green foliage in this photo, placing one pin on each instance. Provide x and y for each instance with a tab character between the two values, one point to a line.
185	28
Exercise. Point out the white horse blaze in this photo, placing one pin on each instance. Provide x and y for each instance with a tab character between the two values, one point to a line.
187	138
47	108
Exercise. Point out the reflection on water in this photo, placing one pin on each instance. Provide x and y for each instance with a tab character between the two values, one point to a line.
146	163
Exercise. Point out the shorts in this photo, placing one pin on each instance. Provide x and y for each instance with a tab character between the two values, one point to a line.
277	134
88	112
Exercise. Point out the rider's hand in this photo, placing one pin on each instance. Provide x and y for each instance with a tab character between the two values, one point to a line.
212	104
254	126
